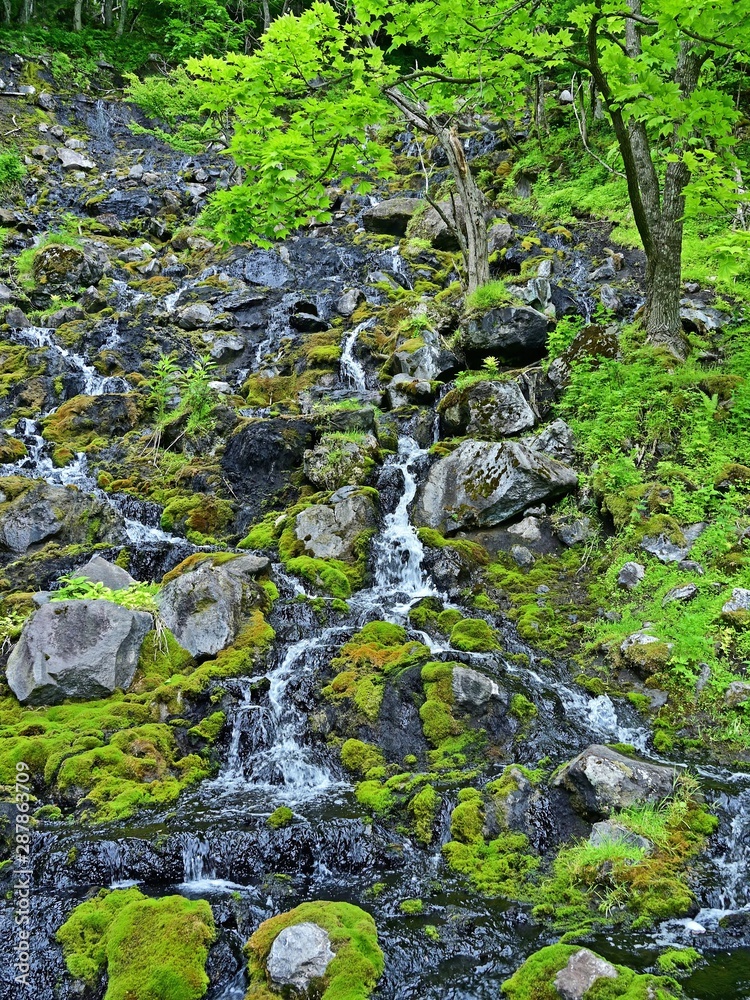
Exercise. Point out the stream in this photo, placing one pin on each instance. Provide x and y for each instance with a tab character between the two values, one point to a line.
215	843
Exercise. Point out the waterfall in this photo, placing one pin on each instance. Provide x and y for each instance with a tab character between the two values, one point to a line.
352	371
397	550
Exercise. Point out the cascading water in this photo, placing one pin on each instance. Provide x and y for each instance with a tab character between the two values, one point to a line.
352	370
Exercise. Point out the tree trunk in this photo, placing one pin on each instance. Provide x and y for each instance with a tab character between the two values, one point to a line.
77	18
472	235
540	110
122	18
266	16
7	11
25	13
107	13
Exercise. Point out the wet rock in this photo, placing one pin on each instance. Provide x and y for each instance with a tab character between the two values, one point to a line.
330	531
738	693
482	484
437	227
601	781
428	362
701	320
737	611
99	570
556	440
58	266
487	410
574	531
580	974
223	349
336	462
47	102
299	955
684	593
522	556
391	217
403	390
45	511
265	267
631	575
508	329
195	316
606	272
666	550
73	160
76	649
473	690
205	608
609	298
607	831
16	319
260	455
349	301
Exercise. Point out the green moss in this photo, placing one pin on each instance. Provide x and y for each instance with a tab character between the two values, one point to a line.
360	757
352	974
328	574
282	816
200	516
536	978
150	948
677	960
210	728
522	708
500	867
467	819
423	808
411	906
474	635
473	552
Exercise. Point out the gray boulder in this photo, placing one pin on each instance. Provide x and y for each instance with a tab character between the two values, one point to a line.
349	301
514	329
666	550
601	781
522	556
527	529
499	236
59	512
487	410
391	217
206	607
76	649
686	592
472	690
73	160
481	484
195	316
738	693
580	974
574	530
737	611
432	226
556	440
331	530
431	361
299	955
403	390
99	570
58	266
631	574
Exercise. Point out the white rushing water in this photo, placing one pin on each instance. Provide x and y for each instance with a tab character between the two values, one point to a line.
352	370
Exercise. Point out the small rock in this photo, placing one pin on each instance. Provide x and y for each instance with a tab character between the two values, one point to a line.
195	316
499	236
737	693
610	298
43	152
75	144
46	102
686	592
99	570
299	954
391	217
604	273
528	529
646	652
565	97
349	301
472	690
602	781
580	974
573	532
631	575
57	131
72	160
522	555
667	551
737	611
690	566
606	832
136	172
16	319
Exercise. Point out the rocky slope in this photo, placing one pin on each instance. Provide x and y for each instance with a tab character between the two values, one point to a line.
317	597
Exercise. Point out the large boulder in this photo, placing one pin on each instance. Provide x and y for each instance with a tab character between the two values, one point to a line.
63	513
506	330
207	606
601	781
76	649
487	410
260	455
431	225
71	159
481	484
338	460
299	955
331	530
473	690
580	974
390	217
58	266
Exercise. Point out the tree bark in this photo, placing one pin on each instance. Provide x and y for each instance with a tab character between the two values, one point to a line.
122	18
540	110
7	13
107	13
77	18
25	12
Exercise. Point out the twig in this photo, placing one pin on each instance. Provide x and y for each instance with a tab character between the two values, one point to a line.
589	150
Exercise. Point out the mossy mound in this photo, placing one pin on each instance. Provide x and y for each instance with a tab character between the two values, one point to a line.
351	975
536	977
152	949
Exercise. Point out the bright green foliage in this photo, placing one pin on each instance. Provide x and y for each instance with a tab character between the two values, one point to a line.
500	867
474	635
678	960
352	974
424	807
137	597
361	757
12	169
411	906
151	948
488	296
